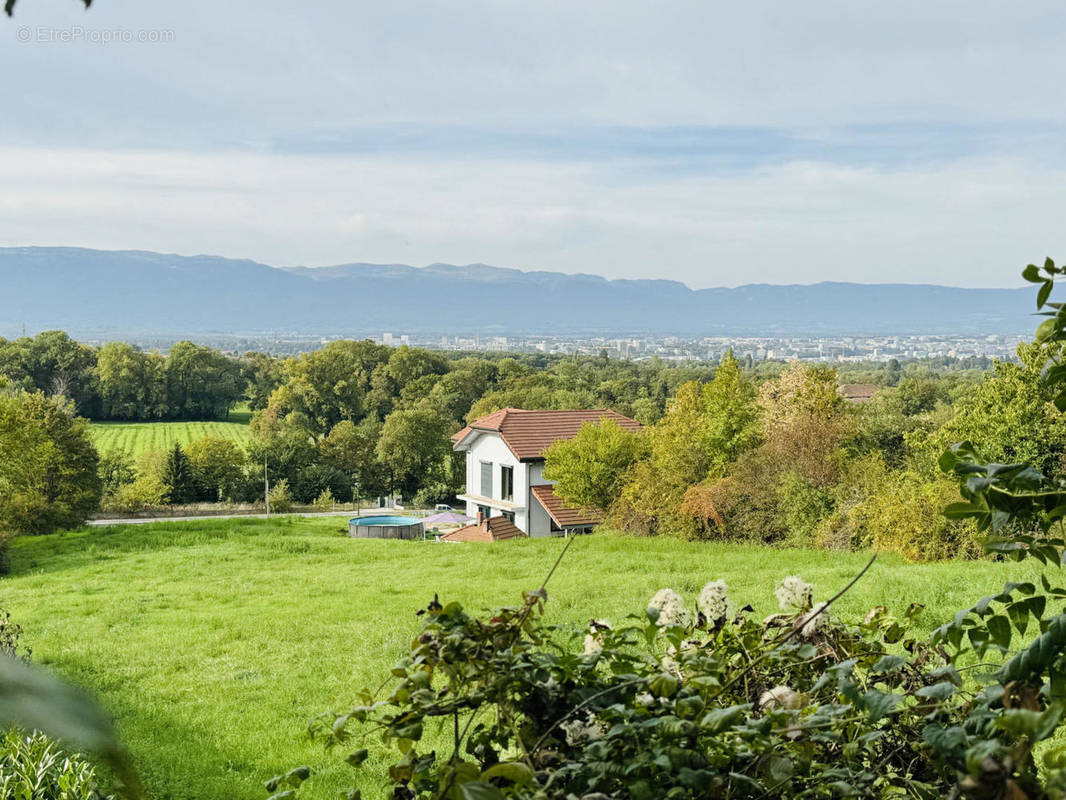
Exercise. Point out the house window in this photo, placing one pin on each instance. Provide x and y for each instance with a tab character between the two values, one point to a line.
507	483
509	515
486	479
484	511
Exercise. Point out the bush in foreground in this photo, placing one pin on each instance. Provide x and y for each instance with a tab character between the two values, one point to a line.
698	699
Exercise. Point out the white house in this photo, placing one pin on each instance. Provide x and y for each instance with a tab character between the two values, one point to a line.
505	484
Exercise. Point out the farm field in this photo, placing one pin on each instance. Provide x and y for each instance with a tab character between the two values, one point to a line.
140	437
214	642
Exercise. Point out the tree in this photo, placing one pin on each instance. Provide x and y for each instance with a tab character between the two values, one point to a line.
283	446
329	385
413	448
262	374
352	449
201	383
178	477
706	427
1011	416
132	383
49	470
589	469
217	468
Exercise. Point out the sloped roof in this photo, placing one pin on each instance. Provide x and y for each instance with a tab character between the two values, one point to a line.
494	529
565	516
528	433
858	392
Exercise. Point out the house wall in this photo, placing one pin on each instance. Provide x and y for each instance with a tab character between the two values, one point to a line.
487	446
490	447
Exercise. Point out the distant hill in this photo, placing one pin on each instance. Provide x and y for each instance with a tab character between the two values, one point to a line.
86	291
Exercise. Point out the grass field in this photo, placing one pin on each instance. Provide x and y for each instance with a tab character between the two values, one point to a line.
214	642
139	437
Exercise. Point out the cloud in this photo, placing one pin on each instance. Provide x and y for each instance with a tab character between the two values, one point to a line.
970	222
715	143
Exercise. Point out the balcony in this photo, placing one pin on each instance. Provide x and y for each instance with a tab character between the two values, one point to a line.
492	502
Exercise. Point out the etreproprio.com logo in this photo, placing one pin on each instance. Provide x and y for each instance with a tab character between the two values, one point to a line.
77	33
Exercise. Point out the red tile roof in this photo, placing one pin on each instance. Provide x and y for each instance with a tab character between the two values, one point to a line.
528	433
565	516
858	392
494	529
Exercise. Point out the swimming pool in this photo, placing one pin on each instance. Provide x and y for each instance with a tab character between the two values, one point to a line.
385	527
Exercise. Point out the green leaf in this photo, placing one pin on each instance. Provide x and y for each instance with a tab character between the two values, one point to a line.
963	511
938	691
1042	294
514	771
358	757
1046	329
888	663
699	780
476	790
879	704
1019	615
1032	274
1034	725
723	718
298	775
1000	631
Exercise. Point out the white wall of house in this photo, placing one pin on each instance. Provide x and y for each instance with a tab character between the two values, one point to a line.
489	447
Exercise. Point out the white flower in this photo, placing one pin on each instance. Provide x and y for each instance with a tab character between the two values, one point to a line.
779	697
794	594
646	699
714	602
578	731
814	619
671	608
594	638
551	686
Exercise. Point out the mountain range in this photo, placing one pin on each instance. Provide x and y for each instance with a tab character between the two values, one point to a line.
97	291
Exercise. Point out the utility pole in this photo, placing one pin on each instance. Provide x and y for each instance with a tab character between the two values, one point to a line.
266	485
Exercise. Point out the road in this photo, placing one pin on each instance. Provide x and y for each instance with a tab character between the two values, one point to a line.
194	517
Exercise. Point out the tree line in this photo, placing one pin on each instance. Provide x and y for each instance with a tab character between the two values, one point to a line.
787	460
726	451
120	382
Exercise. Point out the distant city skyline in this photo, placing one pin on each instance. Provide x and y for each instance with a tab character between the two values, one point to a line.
709	143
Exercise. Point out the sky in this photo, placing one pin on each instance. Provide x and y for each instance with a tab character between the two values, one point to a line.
712	143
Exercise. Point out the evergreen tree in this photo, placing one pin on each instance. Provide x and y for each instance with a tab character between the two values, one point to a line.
178	477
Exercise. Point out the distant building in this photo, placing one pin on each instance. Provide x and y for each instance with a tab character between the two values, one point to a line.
858	392
386	339
505	484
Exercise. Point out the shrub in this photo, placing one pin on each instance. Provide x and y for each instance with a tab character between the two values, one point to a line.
906	516
32	767
695	700
325	501
148	491
10	634
280	497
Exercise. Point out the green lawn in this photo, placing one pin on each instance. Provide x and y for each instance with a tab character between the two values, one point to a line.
214	642
139	437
